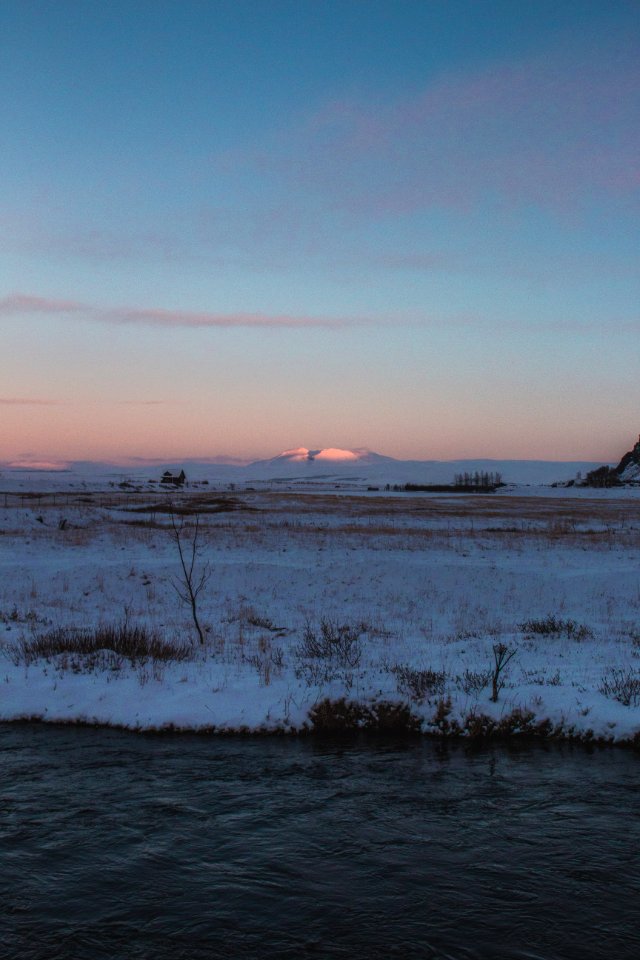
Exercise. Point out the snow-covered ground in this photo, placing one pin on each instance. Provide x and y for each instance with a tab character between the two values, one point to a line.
429	587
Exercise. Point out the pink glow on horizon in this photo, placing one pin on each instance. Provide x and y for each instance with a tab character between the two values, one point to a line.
48	465
99	432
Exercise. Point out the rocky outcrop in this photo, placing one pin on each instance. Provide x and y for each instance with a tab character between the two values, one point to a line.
627	471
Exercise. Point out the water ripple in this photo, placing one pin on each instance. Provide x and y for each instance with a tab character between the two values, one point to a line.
122	846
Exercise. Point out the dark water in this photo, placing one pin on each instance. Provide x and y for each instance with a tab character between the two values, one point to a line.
128	846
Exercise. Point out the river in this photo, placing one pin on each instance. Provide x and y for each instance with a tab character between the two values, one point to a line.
128	846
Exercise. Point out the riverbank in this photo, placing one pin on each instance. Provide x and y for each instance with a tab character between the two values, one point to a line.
355	600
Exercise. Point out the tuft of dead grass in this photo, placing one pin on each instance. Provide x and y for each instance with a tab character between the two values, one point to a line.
134	643
419	685
556	626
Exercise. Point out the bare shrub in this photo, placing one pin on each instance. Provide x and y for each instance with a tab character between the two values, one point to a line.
555	626
501	657
315	673
134	643
263	668
277	657
622	685
336	642
328	653
474	681
191	581
418	685
266	661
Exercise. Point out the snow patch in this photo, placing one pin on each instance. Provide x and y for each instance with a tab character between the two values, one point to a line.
337	456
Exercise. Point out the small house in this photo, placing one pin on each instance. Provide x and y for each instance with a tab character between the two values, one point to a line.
173	479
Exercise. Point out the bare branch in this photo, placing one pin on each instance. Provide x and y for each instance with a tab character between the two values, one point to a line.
501	657
188	587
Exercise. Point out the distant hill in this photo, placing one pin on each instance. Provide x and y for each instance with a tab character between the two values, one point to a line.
329	465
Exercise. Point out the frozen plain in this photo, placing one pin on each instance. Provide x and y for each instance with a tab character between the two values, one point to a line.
429	585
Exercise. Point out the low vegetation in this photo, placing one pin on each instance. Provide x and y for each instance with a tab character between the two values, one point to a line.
555	626
474	681
622	685
339	717
136	644
502	656
419	685
332	641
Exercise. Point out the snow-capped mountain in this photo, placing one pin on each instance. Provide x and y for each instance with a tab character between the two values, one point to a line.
365	466
328	456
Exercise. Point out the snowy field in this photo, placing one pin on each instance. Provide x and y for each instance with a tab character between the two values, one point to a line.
311	596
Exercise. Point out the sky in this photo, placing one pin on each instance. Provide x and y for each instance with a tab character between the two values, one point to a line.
234	228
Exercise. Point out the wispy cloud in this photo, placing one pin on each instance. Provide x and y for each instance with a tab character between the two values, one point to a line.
559	132
27	402
177	318
18	303
25	304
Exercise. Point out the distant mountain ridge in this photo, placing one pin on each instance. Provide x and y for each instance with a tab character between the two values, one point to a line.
323	465
364	465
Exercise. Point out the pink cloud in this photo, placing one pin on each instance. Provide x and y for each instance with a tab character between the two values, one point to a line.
555	132
27	402
176	318
26	303
20	304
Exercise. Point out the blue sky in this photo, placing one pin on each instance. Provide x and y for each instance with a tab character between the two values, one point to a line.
234	228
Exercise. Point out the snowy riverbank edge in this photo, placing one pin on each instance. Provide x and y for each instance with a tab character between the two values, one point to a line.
39	694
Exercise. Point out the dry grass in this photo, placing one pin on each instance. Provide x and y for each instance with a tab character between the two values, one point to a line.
622	685
134	643
390	515
343	717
